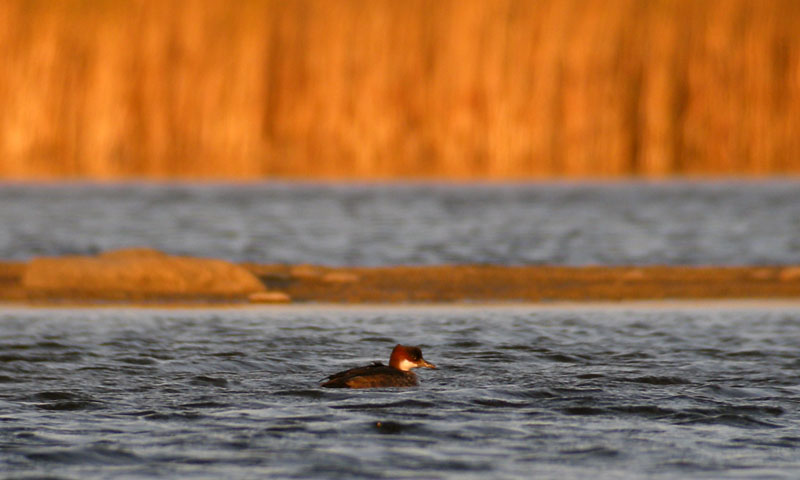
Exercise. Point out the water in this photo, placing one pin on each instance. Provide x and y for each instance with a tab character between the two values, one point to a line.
725	223
622	392
558	392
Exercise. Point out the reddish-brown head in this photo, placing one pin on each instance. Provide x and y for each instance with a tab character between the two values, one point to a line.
405	358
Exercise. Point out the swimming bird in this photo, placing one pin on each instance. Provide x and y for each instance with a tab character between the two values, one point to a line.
397	374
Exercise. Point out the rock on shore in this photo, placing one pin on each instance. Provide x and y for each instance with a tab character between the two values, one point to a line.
137	273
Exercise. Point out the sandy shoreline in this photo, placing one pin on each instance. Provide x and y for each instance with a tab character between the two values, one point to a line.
760	305
442	284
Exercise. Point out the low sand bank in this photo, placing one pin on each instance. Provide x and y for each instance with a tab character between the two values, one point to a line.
459	283
144	276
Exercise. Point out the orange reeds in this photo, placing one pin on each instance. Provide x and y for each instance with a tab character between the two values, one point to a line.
373	89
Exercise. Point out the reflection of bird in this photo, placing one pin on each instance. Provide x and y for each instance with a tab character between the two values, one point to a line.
397	374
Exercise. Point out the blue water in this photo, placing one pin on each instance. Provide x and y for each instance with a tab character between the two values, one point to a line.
654	391
676	223
622	392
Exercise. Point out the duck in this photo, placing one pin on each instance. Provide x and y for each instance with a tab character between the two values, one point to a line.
377	375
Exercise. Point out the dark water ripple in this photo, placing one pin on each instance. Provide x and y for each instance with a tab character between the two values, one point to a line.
521	392
570	223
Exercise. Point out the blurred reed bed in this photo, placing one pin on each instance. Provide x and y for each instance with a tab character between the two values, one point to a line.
385	89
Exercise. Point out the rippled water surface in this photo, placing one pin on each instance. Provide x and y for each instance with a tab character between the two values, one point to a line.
622	392
614	223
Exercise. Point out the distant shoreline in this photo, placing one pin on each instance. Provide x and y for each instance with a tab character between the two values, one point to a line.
423	285
737	304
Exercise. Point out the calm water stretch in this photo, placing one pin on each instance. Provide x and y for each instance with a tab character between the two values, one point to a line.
722	223
521	391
